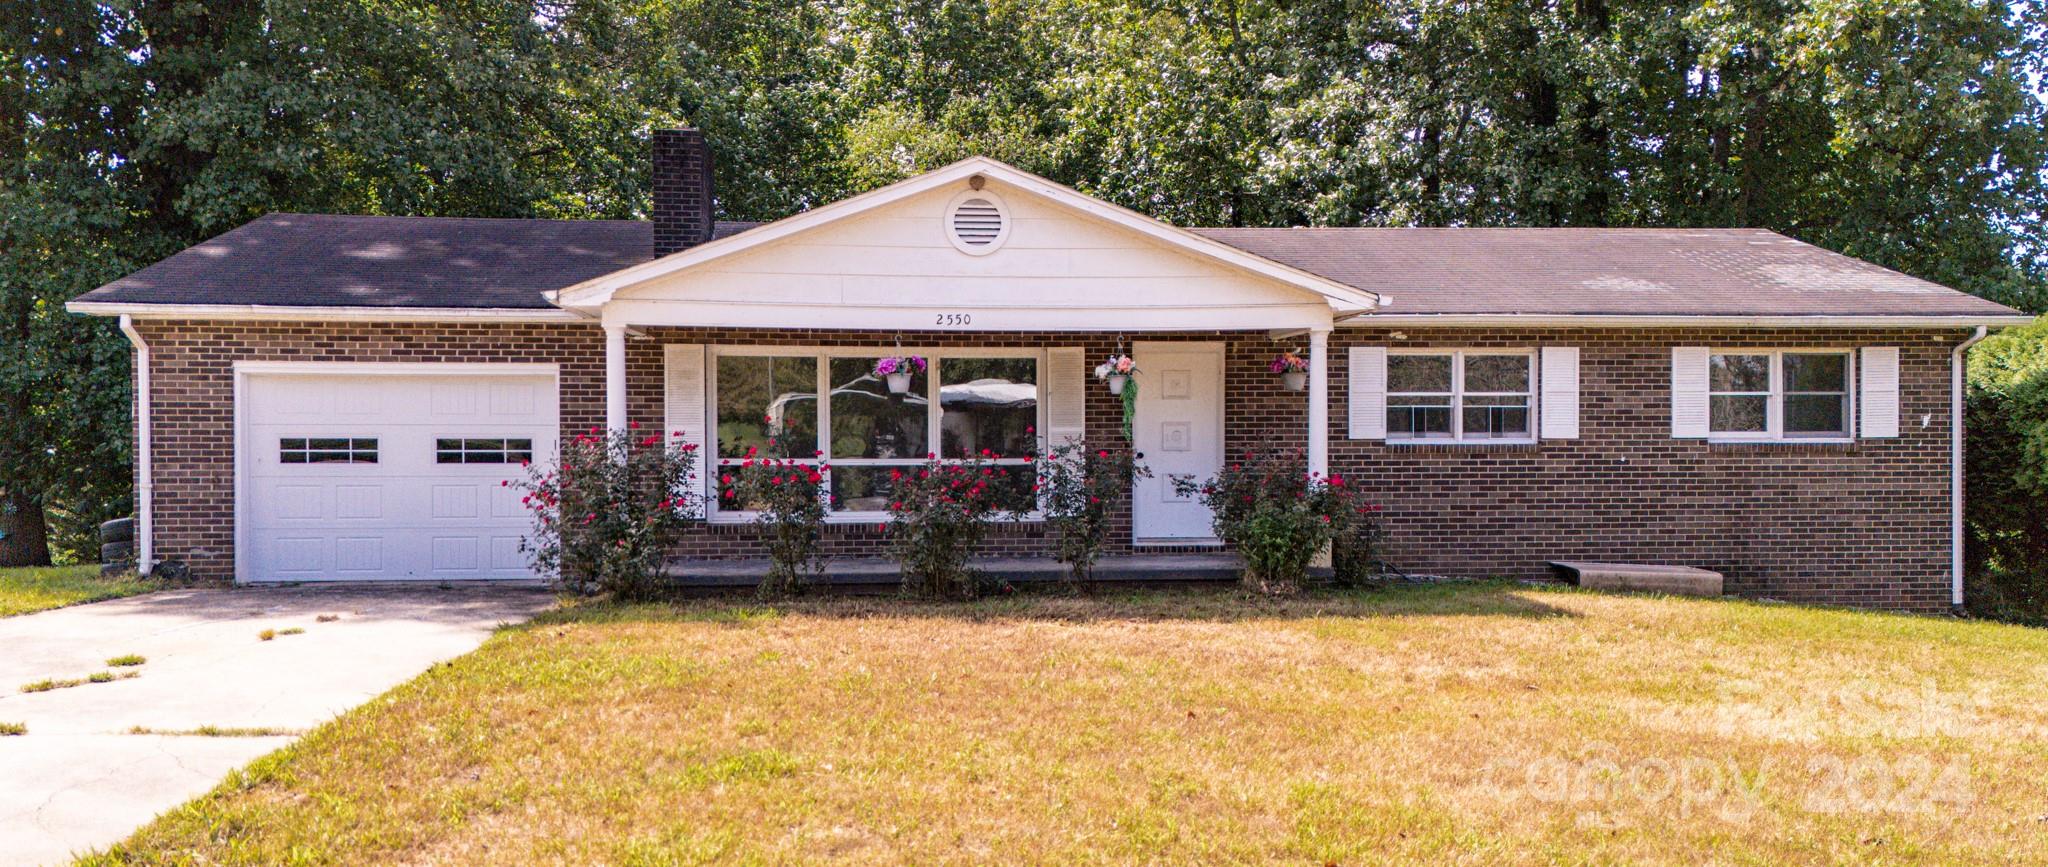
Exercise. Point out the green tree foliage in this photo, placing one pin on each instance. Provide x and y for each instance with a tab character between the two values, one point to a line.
1903	131
2007	475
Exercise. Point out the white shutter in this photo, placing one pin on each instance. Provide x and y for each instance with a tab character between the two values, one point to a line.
1878	401
1066	396
1368	393
1560	384
683	405
1689	392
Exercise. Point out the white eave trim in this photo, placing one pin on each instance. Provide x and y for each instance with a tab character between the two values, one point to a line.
324	314
597	291
1520	320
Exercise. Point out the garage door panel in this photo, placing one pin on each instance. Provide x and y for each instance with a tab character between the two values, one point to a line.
407	515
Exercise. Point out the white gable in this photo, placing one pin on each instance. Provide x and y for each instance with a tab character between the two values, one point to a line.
1064	262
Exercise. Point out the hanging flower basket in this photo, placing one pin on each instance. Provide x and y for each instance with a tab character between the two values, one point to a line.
1117	371
1293	370
897	370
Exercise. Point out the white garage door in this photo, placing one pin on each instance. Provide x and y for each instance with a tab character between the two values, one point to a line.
383	477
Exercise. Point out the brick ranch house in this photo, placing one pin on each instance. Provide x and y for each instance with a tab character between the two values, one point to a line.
338	398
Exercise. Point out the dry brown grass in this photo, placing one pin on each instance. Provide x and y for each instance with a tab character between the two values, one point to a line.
1473	724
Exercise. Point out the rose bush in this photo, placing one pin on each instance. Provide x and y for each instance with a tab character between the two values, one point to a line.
1278	515
789	501
938	513
1081	484
608	508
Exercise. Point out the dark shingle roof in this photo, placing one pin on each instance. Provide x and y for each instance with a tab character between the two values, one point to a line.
1706	272
316	260
329	260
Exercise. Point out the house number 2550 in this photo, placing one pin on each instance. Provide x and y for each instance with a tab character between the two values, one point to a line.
946	319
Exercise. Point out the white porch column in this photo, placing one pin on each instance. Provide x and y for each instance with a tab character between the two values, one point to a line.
1319	401
614	377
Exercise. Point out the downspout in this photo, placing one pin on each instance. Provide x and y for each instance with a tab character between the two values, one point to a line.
145	488
1955	470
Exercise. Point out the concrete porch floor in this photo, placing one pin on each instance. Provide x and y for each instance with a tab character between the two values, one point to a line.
876	572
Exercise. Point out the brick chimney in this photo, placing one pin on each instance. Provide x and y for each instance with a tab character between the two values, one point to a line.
682	190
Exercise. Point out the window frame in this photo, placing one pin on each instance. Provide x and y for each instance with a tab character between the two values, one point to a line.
1458	395
934	416
1774	403
351	451
462	451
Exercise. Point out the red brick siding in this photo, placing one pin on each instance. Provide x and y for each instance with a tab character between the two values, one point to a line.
1863	524
1860	524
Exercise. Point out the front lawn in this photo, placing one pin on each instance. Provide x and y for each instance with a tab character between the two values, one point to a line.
37	588
1477	723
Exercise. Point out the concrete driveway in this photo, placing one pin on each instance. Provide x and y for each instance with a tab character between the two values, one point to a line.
80	781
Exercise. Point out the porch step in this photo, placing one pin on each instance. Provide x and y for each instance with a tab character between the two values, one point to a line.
874	572
1642	577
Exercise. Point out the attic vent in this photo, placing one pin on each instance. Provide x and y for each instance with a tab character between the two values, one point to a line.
977	222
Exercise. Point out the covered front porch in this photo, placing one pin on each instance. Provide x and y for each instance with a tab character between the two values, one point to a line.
1007	290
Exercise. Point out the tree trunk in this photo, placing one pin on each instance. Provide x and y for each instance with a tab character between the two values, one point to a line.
24	534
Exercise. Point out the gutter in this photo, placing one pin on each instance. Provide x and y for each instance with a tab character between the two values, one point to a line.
288	313
1955	469
145	486
1589	320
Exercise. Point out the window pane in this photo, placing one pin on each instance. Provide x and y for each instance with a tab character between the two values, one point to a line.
1746	414
767	397
1816	414
1828	372
1419	417
988	403
1496	418
870	422
864	488
1739	373
1496	373
1419	373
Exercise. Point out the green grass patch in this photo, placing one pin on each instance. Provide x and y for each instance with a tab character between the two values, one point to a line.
1479	723
10	729
40	588
126	660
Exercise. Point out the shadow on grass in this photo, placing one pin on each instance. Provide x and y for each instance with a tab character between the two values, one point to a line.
1212	604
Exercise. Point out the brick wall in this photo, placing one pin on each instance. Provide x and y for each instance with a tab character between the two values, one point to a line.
1860	524
1863	524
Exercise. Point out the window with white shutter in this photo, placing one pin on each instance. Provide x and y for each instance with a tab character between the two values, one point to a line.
1560	393
1880	391
1368	393
683	403
1689	391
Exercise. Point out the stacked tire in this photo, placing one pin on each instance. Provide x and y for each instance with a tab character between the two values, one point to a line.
117	546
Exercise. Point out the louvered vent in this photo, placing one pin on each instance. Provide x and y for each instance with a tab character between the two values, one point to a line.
977	222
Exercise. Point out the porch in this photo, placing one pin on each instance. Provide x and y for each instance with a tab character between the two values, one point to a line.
871	573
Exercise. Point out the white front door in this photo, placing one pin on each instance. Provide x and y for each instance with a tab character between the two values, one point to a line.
1179	430
367	477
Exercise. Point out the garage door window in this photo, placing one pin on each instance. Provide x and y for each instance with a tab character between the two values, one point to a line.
460	450
327	450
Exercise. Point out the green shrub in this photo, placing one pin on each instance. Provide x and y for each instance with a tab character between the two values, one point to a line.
126	659
2006	476
1080	485
1279	516
10	729
938	513
608	510
788	499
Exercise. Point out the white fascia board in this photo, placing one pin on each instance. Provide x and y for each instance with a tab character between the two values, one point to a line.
324	314
596	292
1311	314
1474	320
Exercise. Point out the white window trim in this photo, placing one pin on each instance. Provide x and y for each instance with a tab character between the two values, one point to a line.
1458	396
1774	400
933	433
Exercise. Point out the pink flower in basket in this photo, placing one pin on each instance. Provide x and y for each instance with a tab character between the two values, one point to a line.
899	364
1288	362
